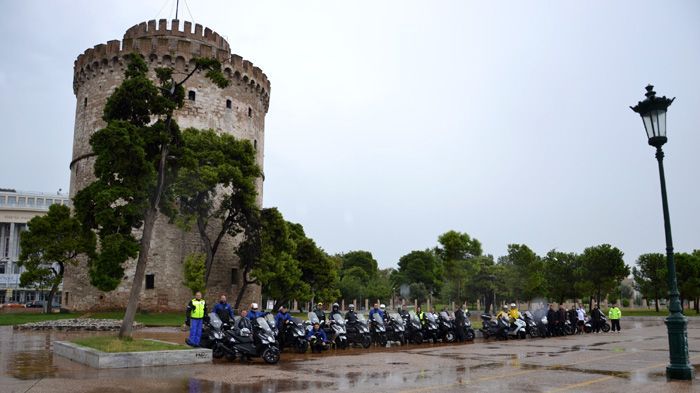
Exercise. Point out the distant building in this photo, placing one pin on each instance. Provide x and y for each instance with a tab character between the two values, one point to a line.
16	209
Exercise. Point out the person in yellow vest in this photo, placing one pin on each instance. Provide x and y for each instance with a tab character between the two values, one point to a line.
196	313
615	314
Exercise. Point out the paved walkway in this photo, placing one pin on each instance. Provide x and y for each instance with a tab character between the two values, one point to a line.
631	361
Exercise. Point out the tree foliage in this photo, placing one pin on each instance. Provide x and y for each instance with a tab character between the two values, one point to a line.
195	271
420	267
53	242
603	268
651	277
562	272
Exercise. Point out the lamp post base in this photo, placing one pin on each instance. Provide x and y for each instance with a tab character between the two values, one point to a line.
680	367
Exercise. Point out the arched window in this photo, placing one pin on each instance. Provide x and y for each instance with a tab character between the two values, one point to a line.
250	112
228	104
191	95
85	102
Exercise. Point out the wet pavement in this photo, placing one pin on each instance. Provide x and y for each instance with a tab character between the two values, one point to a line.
634	360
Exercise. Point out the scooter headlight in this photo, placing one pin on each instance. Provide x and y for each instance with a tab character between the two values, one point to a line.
218	335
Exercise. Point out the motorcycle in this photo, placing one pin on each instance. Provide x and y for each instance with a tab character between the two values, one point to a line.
258	343
294	335
517	329
604	325
491	327
469	333
414	332
531	327
430	327
358	332
339	336
213	338
273	326
396	328
446	328
569	328
378	330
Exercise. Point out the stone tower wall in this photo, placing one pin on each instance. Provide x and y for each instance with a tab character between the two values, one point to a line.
97	72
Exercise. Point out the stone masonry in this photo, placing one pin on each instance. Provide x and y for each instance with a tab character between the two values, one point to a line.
239	110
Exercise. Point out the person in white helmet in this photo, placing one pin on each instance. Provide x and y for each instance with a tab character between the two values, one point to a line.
334	310
254	313
514	313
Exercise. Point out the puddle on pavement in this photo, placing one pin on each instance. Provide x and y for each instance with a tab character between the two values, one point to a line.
31	365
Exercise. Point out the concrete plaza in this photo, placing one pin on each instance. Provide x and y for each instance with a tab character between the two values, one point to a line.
633	360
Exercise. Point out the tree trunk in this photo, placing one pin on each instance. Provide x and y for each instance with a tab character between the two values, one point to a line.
697	307
656	303
149	221
49	298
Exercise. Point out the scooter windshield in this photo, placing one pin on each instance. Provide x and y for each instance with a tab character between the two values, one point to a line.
215	321
396	318
313	318
413	315
263	324
378	319
271	320
444	315
361	317
338	319
430	316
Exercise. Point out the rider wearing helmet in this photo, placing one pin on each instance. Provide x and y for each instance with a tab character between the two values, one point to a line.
254	312
334	310
320	313
385	314
351	315
513	313
376	310
503	313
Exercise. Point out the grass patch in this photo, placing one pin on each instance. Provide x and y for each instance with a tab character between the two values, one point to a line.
20	318
114	344
663	312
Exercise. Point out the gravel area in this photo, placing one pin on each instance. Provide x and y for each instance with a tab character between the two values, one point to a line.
77	324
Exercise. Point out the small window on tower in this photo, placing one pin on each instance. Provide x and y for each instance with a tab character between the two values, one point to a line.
234	276
191	95
150	281
255	144
85	102
228	104
250	112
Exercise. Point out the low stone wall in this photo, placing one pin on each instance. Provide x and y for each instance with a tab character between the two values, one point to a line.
99	359
77	324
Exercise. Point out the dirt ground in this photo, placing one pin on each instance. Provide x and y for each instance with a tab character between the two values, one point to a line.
633	360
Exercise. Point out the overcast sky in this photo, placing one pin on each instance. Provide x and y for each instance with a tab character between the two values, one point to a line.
392	122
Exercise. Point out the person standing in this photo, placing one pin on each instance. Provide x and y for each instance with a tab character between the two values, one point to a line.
615	314
595	317
581	318
459	324
223	310
196	313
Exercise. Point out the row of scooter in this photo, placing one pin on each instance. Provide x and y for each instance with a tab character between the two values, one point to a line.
533	326
266	340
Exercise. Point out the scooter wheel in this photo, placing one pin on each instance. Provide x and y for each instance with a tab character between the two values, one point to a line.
605	328
449	337
302	347
217	353
522	335
470	335
418	338
381	340
271	356
366	342
230	358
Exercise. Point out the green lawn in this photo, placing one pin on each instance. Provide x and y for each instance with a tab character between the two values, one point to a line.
20	318
663	312
113	344
149	319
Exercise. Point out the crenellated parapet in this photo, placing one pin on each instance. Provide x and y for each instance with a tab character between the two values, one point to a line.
170	47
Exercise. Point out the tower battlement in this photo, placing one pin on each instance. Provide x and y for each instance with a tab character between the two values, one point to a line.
169	47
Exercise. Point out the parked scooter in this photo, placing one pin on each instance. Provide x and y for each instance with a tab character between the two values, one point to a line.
213	337
258	343
430	327
358	332
339	336
469	333
414	331
517	329
293	335
604	325
395	328
494	327
446	328
531	327
378	330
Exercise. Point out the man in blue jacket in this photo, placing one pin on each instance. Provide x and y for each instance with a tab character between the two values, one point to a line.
224	310
281	317
317	338
254	313
375	310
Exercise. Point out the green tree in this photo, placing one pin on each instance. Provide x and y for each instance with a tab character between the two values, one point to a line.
53	242
278	272
526	278
688	275
457	251
362	259
651	278
420	267
137	158
216	188
195	272
486	282
603	268
380	287
562	274
319	270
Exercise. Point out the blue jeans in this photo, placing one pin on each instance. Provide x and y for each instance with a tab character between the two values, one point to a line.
195	330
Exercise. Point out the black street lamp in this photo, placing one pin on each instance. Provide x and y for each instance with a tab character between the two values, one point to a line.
653	112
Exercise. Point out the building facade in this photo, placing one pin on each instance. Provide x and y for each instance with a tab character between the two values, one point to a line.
238	109
16	209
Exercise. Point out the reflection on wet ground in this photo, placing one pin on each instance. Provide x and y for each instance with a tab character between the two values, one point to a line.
636	357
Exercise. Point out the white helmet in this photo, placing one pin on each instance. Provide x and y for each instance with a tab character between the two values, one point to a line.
382	306
512	305
254	306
